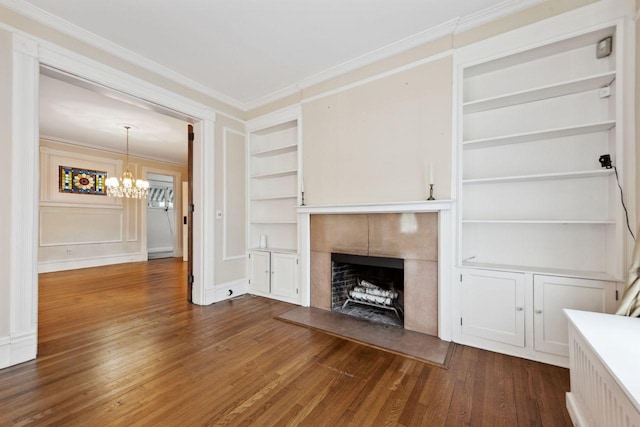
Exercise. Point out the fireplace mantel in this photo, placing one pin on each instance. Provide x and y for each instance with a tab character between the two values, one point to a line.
445	246
394	207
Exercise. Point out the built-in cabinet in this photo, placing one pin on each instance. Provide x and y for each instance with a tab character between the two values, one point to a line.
274	194
500	307
275	275
540	225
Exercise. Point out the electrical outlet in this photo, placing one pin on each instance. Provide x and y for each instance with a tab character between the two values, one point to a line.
218	214
69	251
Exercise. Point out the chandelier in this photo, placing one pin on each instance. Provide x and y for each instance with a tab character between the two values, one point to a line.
127	186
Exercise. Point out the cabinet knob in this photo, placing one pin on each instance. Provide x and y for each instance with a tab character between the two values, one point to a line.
538	311
519	308
266	271
273	272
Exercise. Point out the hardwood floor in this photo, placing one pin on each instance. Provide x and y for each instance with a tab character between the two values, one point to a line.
120	345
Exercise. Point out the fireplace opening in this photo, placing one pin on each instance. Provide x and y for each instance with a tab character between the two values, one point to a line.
369	288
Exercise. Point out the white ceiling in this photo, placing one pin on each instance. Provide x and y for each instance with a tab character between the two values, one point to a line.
247	50
73	114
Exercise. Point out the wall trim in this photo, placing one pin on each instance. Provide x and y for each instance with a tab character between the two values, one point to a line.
444	29
120	239
379	76
25	157
88	146
217	293
225	192
66	27
493	13
98	261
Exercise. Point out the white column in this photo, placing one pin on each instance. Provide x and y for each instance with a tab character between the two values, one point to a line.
204	214
24	201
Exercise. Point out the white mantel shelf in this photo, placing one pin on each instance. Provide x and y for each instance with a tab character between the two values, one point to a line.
392	207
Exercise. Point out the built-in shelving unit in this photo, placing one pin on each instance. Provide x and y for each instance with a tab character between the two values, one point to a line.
274	181
273	166
534	196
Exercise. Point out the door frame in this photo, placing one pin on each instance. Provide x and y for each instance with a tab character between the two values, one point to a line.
29	54
177	211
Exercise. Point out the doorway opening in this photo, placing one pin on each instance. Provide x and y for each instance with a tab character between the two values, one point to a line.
161	218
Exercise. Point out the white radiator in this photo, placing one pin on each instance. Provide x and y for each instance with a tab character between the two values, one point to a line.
600	394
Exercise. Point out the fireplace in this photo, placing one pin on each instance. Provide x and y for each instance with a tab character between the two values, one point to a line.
407	239
369	288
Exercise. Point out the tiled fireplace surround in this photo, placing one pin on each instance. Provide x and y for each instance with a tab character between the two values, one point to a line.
409	236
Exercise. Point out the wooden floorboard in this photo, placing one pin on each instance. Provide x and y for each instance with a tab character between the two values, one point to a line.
120	345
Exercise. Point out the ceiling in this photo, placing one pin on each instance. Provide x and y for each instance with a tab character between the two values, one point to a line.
84	117
249	51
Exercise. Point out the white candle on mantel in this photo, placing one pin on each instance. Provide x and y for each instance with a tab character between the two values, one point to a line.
431	173
301	185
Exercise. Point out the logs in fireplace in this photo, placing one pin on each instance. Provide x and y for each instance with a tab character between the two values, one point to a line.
369	288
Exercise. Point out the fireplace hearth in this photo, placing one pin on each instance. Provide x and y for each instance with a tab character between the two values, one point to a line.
369	288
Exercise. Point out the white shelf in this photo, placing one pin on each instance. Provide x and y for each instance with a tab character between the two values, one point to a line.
535	221
263	199
540	93
275	222
595	275
539	135
541	177
275	174
276	151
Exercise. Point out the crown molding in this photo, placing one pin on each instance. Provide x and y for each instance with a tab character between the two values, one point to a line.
114	49
433	33
451	27
494	12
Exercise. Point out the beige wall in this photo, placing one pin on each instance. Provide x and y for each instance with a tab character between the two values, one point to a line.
61	226
5	178
375	142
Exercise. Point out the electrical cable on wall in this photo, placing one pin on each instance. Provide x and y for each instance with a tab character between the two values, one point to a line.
626	213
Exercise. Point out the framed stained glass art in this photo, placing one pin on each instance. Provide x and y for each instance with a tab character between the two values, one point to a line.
81	181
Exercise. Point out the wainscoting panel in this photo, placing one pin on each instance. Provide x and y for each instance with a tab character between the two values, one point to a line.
59	226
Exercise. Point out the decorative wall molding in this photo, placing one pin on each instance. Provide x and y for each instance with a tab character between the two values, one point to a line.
493	13
51	159
46	240
225	191
98	261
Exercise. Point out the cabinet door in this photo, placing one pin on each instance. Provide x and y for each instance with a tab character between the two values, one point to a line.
552	294
493	306
284	275
260	271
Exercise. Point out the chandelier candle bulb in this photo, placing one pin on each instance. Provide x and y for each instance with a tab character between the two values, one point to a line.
127	186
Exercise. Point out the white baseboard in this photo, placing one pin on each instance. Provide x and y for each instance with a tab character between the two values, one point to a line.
160	249
73	264
574	411
220	292
18	348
